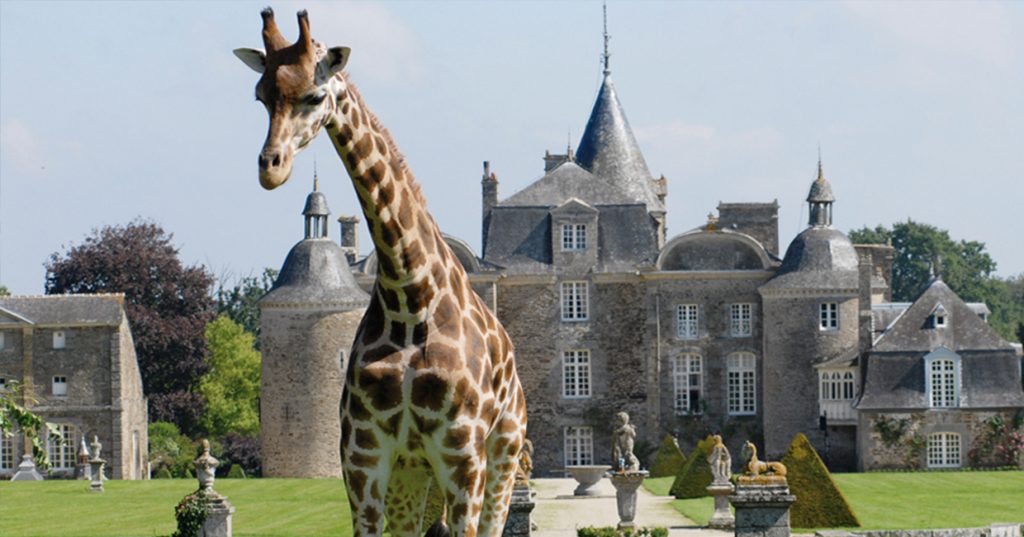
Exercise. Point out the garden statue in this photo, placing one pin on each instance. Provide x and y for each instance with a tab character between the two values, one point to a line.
721	486
431	394
623	438
525	467
206	466
720	462
755	467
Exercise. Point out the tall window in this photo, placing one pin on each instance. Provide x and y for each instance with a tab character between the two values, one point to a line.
828	316
686	321
837	386
576	373
2	343
686	382
3	385
7	452
62	454
574	237
942	382
579	446
59	340
60	385
574	301
943	450
740	319
741	375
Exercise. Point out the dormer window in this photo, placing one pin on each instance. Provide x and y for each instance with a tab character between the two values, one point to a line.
60	386
939	318
574	237
59	339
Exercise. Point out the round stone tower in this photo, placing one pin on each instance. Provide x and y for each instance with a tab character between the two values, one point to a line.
812	315
308	321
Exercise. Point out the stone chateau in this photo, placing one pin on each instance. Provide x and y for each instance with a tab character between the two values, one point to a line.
74	357
710	330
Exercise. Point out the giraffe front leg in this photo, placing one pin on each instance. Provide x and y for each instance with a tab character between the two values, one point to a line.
503	447
366	499
462	474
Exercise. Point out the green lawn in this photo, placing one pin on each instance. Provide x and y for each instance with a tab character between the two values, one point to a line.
916	500
263	507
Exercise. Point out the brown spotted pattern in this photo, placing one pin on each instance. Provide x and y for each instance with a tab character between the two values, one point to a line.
431	393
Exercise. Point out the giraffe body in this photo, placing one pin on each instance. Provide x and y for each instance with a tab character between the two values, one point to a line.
431	394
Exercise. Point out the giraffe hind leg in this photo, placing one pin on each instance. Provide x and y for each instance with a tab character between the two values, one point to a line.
502	461
407	506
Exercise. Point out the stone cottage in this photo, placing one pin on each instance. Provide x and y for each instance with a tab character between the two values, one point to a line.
75	360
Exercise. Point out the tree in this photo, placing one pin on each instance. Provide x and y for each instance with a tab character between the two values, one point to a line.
4	291
168	306
240	302
231	388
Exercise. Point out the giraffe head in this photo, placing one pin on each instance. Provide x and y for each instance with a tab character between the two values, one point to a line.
294	88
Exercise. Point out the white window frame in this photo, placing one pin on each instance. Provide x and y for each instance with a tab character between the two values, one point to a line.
687	383
837	385
59	386
60	340
576	374
3	342
579	446
574	237
942	378
687	321
575	301
741	378
944	450
7	459
828	316
741	319
62	454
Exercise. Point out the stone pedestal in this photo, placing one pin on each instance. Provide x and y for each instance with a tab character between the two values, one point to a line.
218	521
722	519
762	506
518	523
96	467
27	470
625	484
587	476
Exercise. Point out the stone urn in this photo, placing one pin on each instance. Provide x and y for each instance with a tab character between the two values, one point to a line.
625	484
586	477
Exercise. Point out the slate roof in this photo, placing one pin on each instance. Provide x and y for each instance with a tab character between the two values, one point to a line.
568	180
609	150
64	310
316	205
819	258
821	189
316	272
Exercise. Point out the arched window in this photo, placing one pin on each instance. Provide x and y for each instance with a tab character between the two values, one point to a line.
942	378
742	383
944	450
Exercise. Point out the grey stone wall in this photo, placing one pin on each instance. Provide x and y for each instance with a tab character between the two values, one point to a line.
305	352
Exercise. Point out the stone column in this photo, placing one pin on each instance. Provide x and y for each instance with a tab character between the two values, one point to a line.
625	484
762	506
518	523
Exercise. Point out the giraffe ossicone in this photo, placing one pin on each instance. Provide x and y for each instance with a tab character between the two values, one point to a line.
431	397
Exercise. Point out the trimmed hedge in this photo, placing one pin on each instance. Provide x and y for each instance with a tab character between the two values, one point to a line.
819	502
669	459
694	477
236	472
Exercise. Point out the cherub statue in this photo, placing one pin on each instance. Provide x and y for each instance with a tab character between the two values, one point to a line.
525	464
720	461
623	438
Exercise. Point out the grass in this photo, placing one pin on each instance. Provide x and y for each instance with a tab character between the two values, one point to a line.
913	500
263	508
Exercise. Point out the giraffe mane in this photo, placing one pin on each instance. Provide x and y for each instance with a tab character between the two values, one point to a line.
396	154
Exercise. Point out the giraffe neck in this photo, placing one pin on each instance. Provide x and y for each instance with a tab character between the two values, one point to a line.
406	238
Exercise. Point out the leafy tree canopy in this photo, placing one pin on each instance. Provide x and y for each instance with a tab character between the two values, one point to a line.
239	303
168	306
923	251
4	291
231	388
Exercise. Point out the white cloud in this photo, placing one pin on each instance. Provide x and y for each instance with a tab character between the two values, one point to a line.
18	144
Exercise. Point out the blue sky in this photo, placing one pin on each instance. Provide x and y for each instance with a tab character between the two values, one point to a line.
109	111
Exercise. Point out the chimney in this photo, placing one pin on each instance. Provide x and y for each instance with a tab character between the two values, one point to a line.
865	268
349	237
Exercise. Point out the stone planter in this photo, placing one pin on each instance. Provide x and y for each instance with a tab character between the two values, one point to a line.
625	484
587	476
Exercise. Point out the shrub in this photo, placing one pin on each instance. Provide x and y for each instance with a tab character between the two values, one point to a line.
164	473
669	458
695	475
236	472
191	513
243	451
169	449
819	502
609	531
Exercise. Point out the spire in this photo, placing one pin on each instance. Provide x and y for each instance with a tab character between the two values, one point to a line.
820	198
607	55
316	181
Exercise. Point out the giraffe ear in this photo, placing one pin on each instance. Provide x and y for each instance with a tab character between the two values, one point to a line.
332	63
255	59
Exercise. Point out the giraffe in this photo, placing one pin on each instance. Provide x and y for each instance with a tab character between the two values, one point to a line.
431	392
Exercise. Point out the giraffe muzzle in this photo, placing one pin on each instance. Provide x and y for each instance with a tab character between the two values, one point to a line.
275	168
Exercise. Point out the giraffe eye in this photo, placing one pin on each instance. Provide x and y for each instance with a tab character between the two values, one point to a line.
315	98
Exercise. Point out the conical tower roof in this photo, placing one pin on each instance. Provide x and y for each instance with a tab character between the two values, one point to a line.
609	150
821	189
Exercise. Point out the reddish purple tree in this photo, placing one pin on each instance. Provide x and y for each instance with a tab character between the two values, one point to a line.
168	306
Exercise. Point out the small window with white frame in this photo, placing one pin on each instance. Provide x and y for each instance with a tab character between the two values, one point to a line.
687	319
574	237
687	373
7	452
579	446
741	319
576	374
837	385
828	316
59	339
944	450
741	376
62	453
939	317
60	386
575	305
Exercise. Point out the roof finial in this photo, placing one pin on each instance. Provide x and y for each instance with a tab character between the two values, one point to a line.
821	173
607	68
316	181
